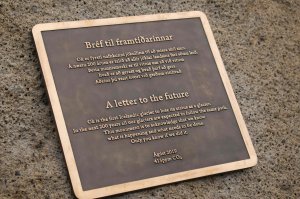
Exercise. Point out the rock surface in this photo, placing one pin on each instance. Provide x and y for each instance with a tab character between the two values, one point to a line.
259	41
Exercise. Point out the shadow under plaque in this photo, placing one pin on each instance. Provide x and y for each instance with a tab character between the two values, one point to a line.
141	101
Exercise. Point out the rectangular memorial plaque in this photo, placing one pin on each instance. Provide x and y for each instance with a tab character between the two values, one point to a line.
141	101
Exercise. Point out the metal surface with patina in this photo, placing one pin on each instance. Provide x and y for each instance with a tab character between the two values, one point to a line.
100	168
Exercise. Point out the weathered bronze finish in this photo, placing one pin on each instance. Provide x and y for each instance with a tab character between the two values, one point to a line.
141	101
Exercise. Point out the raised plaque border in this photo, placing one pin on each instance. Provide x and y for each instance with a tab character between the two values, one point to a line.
150	182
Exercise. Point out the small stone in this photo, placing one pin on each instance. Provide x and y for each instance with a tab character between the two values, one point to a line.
17	173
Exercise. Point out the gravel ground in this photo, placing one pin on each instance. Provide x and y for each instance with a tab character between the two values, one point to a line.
260	45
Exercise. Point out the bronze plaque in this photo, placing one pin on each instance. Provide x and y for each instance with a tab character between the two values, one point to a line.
141	101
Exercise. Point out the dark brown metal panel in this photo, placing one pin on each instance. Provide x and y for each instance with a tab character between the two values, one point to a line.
102	163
